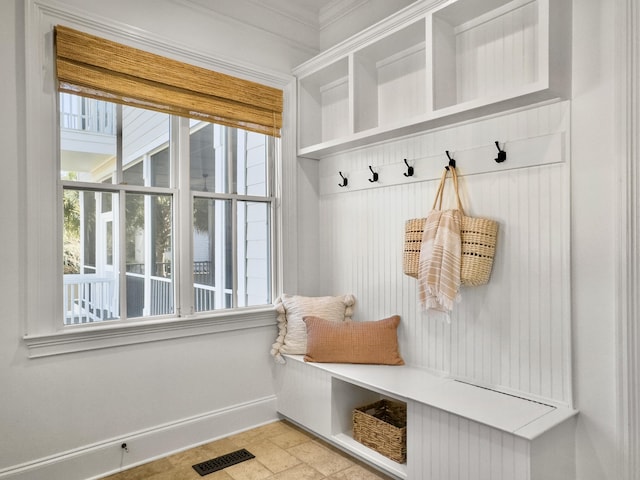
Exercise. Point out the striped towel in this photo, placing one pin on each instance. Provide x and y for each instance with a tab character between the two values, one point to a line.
439	266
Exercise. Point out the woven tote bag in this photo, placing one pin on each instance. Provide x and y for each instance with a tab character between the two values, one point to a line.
478	238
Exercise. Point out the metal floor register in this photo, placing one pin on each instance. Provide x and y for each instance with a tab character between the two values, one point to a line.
222	462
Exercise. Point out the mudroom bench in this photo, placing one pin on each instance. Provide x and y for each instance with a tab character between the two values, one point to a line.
454	429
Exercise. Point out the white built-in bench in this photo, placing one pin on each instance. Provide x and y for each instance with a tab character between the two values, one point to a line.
454	430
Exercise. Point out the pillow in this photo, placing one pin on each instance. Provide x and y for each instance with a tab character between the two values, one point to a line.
292	332
353	342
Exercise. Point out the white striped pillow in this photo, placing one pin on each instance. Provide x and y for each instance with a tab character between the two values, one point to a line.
292	331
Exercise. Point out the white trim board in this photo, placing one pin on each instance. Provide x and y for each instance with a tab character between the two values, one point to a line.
92	337
628	274
107	457
522	153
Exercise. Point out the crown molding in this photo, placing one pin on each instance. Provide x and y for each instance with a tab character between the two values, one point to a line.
293	11
140	38
370	34
337	9
296	25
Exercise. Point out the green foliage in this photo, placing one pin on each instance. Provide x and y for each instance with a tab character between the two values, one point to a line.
71	235
162	221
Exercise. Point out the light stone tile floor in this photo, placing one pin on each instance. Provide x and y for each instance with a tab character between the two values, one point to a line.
282	450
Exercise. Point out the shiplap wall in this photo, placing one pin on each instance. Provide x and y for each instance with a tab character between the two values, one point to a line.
512	334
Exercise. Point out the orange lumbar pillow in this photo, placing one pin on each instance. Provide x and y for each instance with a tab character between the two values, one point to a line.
353	342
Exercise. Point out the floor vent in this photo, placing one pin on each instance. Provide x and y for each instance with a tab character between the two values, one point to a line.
222	462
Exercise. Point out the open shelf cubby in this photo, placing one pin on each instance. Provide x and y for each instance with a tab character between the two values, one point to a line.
486	50
324	104
345	397
389	78
429	65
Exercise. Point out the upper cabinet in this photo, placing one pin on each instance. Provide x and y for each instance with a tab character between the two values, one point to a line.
431	64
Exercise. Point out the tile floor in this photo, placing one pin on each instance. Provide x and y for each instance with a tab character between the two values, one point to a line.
282	450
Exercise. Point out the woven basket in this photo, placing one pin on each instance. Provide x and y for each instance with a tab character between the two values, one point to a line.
477	235
382	426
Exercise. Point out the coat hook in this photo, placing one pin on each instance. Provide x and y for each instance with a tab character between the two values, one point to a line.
502	155
409	169
452	162
345	180
375	175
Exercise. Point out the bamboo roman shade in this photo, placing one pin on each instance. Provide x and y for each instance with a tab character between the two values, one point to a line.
95	67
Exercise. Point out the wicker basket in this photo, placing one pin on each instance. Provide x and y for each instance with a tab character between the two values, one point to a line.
477	235
413	230
382	426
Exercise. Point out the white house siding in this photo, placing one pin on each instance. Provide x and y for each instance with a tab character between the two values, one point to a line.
143	132
256	225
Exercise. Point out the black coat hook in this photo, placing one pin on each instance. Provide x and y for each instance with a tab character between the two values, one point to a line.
452	162
502	155
345	181
409	169
375	175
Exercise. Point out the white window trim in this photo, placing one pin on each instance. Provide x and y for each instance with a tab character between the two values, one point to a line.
43	330
81	338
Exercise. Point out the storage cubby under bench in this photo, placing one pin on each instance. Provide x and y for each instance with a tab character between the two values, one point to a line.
454	429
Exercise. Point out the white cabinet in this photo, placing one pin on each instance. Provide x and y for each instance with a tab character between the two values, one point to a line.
430	64
304	396
454	429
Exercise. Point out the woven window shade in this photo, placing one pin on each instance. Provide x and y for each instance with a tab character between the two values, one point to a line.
94	67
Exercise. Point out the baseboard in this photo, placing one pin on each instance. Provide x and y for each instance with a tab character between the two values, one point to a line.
98	460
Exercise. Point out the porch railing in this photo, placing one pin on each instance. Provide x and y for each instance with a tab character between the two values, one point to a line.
91	298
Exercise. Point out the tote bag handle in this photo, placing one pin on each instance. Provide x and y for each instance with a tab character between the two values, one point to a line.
440	193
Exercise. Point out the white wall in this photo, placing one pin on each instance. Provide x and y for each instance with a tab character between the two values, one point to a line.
594	191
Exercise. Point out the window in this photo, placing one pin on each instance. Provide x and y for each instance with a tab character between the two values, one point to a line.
152	148
103	231
125	173
209	271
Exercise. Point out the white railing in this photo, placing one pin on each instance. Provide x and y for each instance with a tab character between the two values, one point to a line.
204	297
161	296
87	114
89	298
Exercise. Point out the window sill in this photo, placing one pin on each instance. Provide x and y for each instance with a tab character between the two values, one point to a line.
106	336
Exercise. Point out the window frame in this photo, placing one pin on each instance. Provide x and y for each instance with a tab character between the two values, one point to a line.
41	254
